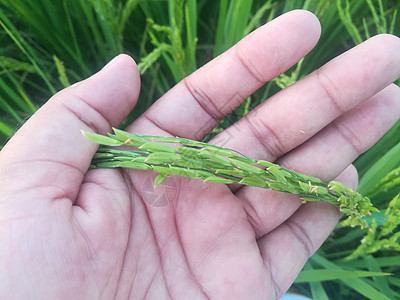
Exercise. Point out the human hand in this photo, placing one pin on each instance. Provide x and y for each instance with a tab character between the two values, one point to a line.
67	232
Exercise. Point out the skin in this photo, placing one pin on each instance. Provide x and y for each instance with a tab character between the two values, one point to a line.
70	233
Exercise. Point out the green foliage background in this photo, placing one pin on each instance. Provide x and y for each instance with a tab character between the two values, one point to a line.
46	45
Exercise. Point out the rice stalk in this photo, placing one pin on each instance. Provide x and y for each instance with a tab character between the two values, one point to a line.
211	163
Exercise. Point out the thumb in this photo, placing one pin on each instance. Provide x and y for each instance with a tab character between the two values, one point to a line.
50	144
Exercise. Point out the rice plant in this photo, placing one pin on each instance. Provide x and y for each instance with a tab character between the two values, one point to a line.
47	45
211	163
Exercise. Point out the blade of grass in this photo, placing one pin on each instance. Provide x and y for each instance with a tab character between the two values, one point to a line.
346	17
317	289
382	283
396	282
232	23
387	142
238	16
219	38
346	239
107	20
31	108
176	10
127	10
77	50
24	48
6	129
377	171
4	105
357	284
317	275
9	65
18	101
191	35
391	261
255	20
92	32
379	18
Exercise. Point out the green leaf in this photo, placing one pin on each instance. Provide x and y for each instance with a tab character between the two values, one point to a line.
381	282
333	274
24	47
317	289
357	284
376	172
5	129
390	261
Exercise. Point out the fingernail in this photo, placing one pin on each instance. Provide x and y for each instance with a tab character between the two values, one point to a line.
111	62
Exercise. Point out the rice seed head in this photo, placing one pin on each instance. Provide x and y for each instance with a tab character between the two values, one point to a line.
155	147
128	138
219	151
162	157
101	139
134	165
217	179
246	167
254	181
278	172
195	159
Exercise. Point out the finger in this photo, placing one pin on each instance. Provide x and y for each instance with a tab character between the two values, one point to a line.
196	104
288	247
347	137
298	112
325	156
50	144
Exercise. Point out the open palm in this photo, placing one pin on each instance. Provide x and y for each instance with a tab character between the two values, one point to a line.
66	232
